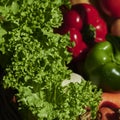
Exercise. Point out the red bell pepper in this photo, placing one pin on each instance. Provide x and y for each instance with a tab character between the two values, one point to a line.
90	27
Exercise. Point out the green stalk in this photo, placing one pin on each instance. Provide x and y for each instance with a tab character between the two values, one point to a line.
115	41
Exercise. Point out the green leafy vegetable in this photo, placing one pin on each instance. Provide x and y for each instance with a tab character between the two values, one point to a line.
36	61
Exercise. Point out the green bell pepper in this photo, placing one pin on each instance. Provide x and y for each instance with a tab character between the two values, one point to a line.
102	64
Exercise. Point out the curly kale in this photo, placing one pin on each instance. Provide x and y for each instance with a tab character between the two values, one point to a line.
34	59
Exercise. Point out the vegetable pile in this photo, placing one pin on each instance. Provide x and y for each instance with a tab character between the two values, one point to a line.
95	51
85	26
59	60
103	62
34	60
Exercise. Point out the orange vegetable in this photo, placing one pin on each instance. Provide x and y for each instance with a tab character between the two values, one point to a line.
110	99
109	106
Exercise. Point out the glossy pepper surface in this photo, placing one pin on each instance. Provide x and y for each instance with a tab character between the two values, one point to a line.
102	65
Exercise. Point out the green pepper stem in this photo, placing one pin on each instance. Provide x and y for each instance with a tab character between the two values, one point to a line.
115	41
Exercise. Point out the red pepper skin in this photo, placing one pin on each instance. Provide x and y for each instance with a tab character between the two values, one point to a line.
95	33
75	20
87	11
91	17
80	46
101	30
72	19
110	7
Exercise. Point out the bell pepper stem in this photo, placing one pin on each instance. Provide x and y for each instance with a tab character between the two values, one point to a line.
115	41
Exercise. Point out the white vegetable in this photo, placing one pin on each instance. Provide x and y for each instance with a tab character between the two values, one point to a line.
74	77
